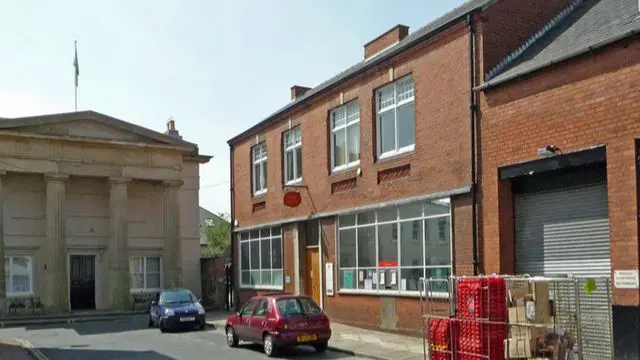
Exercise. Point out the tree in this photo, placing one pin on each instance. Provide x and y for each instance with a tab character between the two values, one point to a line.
218	237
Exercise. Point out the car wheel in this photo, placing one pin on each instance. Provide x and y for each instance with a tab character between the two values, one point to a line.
150	322
321	347
232	338
163	328
269	346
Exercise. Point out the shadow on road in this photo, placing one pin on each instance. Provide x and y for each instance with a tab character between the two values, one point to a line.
298	352
99	327
84	354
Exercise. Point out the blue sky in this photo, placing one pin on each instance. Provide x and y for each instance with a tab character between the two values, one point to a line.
216	67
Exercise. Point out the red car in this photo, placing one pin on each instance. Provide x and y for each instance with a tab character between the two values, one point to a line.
279	320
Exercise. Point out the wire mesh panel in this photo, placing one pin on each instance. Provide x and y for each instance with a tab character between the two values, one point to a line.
595	318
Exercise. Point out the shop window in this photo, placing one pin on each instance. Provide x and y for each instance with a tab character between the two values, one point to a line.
261	259
392	249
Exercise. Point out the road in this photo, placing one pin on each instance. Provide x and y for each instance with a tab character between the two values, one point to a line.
132	340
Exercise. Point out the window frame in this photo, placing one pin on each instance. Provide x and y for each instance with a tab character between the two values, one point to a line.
9	285
399	268
293	149
344	127
145	274
396	104
262	162
260	269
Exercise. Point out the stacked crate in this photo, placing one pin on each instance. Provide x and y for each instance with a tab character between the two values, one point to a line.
482	314
442	338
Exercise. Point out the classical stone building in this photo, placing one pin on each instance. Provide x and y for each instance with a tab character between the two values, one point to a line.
95	209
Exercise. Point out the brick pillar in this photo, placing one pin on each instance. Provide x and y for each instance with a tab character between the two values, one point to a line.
172	259
118	248
3	285
57	280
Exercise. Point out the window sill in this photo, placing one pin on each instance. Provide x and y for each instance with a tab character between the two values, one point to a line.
21	294
345	168
259	193
407	294
402	153
138	291
249	287
293	182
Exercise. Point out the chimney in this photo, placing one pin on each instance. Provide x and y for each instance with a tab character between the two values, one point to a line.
171	129
388	38
298	91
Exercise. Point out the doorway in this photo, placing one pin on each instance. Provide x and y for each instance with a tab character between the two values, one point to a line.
82	282
312	259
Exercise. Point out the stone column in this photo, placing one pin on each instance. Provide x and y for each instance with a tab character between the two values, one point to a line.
172	255
118	247
56	268
3	285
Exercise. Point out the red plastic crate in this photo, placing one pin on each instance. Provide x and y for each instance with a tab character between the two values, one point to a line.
482	298
479	340
442	338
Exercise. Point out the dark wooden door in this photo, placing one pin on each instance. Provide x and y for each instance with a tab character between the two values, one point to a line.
83	282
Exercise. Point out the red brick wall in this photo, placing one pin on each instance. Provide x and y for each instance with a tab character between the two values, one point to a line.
588	101
508	23
439	162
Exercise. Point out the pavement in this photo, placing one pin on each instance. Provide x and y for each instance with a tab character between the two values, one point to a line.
357	342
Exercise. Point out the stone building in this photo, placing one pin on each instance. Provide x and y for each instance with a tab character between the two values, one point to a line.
95	209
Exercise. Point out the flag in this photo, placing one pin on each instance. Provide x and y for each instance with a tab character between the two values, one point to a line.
75	63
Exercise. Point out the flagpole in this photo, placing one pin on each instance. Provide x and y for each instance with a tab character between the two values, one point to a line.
75	45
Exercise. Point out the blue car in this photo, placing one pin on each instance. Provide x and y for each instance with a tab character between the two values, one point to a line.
176	308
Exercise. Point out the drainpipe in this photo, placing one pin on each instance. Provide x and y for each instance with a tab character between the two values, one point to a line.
472	126
234	293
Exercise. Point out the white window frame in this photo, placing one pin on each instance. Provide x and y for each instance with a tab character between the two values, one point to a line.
399	268
9	285
348	123
394	107
261	161
144	274
272	235
296	132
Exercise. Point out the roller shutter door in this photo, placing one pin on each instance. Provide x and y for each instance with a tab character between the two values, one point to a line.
563	231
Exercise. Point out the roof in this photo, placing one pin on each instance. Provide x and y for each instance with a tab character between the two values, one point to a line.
591	25
426	32
206	214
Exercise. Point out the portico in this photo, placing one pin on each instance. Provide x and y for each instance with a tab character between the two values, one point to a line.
119	198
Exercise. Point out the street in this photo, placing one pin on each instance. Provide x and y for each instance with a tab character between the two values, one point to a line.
131	339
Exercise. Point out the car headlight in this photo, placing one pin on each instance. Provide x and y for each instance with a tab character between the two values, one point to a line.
169	312
200	309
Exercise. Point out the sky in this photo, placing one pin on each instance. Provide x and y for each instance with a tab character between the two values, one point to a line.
216	67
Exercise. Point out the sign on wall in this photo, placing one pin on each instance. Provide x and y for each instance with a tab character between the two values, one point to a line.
329	279
626	279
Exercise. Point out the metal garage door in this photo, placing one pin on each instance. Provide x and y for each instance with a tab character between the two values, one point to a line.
563	231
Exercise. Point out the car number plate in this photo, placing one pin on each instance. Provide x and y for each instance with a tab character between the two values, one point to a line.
307	338
189	318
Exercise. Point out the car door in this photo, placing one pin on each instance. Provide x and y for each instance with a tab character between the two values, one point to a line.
242	329
258	320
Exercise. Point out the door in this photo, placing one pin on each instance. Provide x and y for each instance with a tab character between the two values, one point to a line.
82	282
313	274
242	329
259	320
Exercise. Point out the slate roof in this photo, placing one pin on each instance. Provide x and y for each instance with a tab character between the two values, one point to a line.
414	38
593	24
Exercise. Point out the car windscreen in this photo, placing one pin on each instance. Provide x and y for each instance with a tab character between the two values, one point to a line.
298	307
172	297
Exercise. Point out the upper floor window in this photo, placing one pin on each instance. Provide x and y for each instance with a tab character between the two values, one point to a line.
293	155
259	157
396	113
345	136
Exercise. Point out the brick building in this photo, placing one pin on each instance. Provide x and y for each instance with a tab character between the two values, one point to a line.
381	156
559	164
